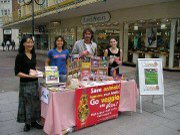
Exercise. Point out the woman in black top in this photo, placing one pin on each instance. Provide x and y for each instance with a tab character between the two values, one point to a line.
115	56
29	103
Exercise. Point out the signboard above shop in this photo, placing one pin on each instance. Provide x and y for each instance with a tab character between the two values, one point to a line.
7	32
96	18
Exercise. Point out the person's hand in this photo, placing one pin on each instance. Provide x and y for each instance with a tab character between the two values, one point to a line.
119	62
111	60
33	73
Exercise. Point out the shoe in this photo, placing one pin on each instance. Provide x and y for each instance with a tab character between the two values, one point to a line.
27	127
36	125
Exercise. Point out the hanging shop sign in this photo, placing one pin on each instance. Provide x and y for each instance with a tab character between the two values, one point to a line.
7	32
96	18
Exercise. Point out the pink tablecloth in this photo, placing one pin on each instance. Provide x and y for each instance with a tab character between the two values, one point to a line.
59	114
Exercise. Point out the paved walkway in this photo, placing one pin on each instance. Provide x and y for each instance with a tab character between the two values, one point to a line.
151	122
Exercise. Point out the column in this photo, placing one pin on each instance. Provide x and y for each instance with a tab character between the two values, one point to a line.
172	43
125	47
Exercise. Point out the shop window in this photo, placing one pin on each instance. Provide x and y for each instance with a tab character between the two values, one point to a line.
149	39
103	38
5	12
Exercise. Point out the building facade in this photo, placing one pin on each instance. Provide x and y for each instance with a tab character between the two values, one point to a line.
144	29
6	16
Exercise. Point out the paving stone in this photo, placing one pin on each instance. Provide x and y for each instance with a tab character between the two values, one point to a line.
161	130
175	108
171	115
6	116
149	107
9	107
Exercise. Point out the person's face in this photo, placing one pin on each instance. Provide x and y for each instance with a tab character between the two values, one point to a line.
113	43
87	35
59	43
29	44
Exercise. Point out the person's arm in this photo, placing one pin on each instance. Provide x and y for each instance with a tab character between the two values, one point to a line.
75	48
23	75
121	56
18	67
48	60
106	53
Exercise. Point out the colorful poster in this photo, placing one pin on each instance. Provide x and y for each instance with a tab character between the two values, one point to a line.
96	104
150	76
85	71
52	74
85	74
151	37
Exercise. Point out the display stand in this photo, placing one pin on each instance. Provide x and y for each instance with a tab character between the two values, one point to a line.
150	78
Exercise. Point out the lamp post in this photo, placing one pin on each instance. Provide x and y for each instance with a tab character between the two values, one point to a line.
32	2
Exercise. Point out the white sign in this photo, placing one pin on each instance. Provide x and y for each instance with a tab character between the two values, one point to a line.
97	18
150	77
7	32
45	95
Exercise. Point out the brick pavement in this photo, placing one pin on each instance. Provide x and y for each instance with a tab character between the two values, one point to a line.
151	122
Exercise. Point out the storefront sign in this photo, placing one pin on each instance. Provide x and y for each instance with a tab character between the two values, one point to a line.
96	104
7	32
97	18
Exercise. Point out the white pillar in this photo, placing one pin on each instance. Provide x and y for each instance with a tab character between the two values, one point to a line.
1	37
172	42
15	36
125	47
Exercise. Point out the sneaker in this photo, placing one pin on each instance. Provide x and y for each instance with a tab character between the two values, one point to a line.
36	125
27	127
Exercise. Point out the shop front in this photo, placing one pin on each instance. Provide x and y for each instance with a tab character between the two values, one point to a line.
155	38
104	29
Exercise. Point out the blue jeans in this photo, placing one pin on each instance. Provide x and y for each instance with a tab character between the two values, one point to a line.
62	78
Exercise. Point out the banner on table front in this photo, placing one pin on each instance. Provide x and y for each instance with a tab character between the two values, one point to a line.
97	104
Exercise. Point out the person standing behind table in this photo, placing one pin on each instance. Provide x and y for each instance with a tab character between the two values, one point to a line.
115	55
3	45
58	57
85	47
29	102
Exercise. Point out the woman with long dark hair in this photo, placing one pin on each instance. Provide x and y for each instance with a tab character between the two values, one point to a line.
58	57
29	103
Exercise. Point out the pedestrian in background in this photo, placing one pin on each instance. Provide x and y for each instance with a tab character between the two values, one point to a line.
8	44
3	45
13	45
